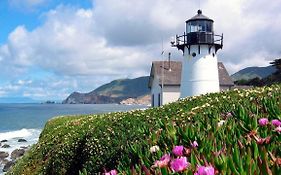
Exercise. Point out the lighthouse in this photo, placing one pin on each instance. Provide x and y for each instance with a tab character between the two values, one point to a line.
199	45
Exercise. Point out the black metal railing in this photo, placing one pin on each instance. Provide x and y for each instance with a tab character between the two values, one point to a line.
198	38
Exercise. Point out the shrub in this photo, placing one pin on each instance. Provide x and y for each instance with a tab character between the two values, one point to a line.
224	126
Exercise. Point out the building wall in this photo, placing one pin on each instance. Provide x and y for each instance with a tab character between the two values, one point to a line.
155	91
171	94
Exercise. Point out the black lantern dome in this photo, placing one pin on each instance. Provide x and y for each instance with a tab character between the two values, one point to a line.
199	31
199	16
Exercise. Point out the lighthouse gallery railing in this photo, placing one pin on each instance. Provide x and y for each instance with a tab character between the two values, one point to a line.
198	38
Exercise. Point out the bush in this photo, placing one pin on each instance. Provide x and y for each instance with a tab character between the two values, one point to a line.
122	140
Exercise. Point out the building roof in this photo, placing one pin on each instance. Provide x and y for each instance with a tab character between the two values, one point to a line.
172	73
224	77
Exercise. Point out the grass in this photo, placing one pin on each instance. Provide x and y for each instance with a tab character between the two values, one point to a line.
122	140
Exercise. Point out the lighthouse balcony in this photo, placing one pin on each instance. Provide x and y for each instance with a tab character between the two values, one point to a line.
198	38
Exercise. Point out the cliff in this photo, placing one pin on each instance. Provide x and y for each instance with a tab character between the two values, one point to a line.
143	100
113	92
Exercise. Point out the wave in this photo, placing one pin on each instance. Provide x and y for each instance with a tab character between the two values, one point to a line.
22	133
30	135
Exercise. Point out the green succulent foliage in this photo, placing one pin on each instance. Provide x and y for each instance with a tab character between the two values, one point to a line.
225	125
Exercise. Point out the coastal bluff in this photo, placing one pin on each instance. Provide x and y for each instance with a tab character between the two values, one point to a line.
225	124
113	92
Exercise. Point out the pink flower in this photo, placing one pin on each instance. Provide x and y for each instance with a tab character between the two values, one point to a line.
276	122
179	164
205	170
228	114
261	141
164	161
112	172
178	150
194	144
263	121
278	129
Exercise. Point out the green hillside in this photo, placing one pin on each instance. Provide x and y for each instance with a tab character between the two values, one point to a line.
273	78
113	92
225	125
253	72
125	87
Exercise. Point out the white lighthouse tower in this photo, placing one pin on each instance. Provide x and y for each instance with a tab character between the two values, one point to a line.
200	66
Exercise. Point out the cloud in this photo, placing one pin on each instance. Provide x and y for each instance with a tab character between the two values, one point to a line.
89	47
24	82
46	88
67	44
250	30
26	5
53	89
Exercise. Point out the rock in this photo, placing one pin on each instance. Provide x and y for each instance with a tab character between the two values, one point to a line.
22	140
2	141
6	146
3	162
24	147
3	155
8	165
17	153
143	100
90	98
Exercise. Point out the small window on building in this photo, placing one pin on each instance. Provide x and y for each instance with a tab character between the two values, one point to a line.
159	99
152	100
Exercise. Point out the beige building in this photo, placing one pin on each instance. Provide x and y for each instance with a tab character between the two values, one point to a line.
167	89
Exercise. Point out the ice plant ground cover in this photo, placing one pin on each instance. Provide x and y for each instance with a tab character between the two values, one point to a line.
216	133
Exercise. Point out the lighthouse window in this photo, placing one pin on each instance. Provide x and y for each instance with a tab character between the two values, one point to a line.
199	26
192	26
209	26
193	29
202	26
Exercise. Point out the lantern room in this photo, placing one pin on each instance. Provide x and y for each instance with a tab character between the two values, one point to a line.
199	23
199	31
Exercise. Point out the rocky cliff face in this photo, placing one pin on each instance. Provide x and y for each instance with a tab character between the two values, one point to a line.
90	98
144	100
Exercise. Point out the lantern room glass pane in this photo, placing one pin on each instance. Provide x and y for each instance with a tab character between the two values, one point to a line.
199	26
191	27
209	26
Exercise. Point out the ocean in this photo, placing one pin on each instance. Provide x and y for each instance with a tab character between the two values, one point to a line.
26	121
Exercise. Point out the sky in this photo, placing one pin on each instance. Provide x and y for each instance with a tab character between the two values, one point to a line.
50	48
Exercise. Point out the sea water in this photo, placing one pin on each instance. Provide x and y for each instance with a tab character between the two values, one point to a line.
26	121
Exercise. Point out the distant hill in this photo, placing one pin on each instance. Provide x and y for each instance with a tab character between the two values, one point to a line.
253	72
113	92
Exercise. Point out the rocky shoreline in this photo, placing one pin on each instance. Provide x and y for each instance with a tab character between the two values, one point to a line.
143	100
7	160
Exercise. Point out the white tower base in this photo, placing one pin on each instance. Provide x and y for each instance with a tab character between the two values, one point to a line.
199	71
